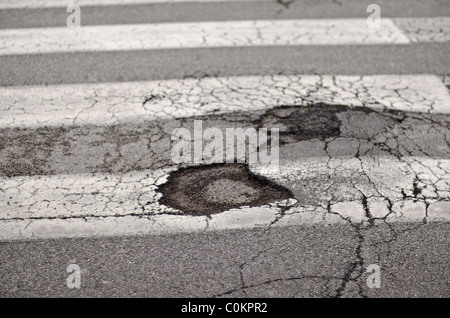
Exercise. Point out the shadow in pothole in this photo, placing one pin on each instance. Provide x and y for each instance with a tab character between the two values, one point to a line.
210	189
317	121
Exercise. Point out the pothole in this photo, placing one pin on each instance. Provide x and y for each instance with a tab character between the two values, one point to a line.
226	190
295	123
210	189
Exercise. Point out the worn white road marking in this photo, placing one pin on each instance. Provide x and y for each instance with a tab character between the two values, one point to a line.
111	204
436	29
107	103
198	35
20	4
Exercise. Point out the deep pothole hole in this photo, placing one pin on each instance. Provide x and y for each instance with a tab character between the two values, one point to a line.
214	188
319	121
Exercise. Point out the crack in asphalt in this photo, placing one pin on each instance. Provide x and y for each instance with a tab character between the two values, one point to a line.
147	146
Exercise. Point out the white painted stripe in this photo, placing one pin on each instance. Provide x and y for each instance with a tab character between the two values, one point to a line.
20	4
108	103
198	35
104	204
436	29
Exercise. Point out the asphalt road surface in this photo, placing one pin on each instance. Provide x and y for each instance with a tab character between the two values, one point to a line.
120	149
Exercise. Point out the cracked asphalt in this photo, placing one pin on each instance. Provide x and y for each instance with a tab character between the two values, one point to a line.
322	261
87	175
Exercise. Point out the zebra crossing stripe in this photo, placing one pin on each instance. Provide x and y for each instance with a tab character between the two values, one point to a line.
111	103
84	205
198	35
21	4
